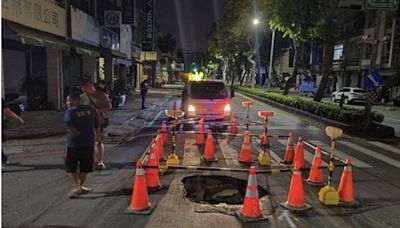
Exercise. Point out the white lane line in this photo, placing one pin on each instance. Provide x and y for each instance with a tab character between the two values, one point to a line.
371	153
308	156
341	154
386	147
230	155
191	155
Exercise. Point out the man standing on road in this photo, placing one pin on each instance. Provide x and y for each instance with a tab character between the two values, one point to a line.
100	102
82	122
143	92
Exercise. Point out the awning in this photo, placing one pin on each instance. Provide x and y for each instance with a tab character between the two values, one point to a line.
118	54
85	51
34	39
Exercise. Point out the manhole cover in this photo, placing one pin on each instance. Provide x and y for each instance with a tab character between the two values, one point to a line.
217	189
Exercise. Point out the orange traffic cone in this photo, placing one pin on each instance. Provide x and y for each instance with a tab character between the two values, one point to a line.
152	179
160	147
295	201
140	199
346	193
299	154
316	177
200	135
164	132
209	150
234	129
251	212
174	106
289	154
245	153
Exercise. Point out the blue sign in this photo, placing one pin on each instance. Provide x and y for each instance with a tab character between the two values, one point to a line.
374	80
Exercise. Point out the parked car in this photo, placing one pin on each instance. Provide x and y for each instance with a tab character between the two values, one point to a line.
351	95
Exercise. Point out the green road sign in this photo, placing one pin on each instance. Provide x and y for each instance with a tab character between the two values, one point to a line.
382	4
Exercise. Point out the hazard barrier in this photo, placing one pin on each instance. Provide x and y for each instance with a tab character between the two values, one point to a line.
207	168
324	151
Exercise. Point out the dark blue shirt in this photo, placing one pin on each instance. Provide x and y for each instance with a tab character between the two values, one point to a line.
84	119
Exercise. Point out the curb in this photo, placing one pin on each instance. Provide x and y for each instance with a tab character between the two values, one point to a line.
374	131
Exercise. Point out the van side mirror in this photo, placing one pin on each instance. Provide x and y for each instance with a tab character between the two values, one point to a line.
232	93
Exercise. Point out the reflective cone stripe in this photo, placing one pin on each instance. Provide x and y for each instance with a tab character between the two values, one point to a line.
200	136
209	151
296	191
251	202
299	153
346	193
164	130
289	154
140	198
316	175
152	179
245	153
160	147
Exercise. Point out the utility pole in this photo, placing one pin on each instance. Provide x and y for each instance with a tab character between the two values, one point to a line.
271	57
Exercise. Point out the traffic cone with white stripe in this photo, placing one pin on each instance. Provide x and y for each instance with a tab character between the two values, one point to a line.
140	199
152	179
251	211
209	150
160	147
245	153
346	194
164	132
234	129
299	154
200	133
316	176
295	201
289	154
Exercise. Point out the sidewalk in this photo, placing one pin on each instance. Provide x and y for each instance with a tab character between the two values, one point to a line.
124	121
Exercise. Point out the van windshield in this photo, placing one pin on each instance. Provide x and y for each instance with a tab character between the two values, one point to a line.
208	90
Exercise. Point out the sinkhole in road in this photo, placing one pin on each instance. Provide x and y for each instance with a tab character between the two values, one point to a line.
214	189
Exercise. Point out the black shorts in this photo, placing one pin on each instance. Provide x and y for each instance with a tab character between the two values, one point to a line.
79	156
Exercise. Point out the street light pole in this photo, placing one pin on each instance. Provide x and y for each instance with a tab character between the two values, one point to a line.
271	56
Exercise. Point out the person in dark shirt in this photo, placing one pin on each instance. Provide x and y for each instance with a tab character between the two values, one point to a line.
7	113
82	123
143	92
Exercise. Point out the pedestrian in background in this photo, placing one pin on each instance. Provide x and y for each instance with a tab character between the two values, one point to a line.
7	113
100	102
82	123
143	92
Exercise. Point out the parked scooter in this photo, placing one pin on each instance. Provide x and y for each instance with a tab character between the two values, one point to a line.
15	102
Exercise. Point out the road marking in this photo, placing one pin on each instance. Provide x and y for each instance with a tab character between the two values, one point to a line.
285	215
371	153
191	154
386	147
339	153
230	155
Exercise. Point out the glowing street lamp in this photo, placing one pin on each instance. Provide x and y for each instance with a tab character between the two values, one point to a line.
256	21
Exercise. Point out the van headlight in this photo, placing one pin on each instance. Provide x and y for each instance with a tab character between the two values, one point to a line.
191	109
227	108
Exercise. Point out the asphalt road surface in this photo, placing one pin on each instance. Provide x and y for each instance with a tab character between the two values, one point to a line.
35	186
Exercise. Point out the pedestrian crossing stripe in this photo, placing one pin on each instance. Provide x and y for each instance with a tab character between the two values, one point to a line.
191	152
386	147
230	154
341	154
371	153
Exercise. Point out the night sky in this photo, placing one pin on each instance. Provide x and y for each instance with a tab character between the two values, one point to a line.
189	21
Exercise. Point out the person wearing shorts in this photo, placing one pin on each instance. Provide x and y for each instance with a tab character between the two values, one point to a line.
82	123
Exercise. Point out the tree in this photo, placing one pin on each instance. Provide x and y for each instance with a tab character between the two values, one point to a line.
295	19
